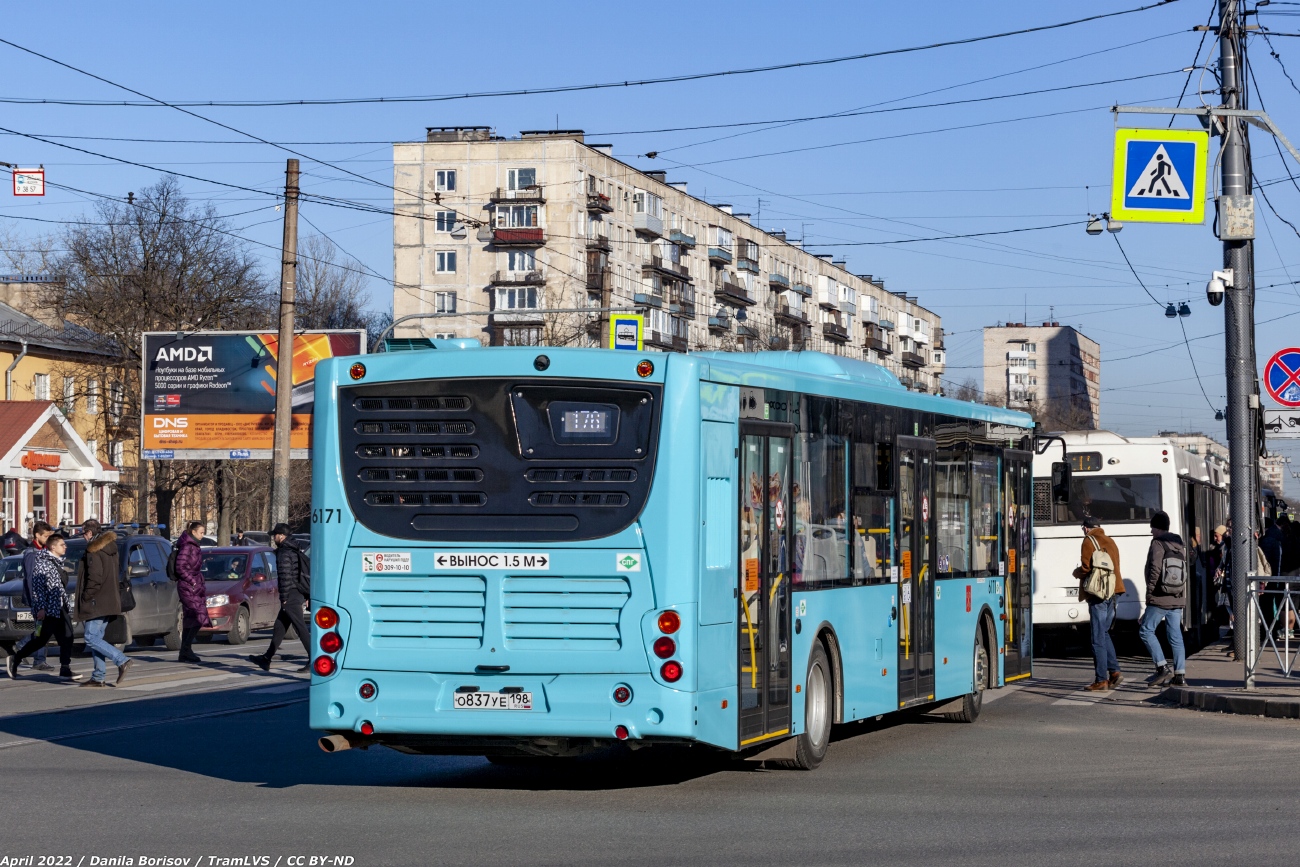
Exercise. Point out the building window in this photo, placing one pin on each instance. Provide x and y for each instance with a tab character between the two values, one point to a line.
69	395
521	260
521	336
445	180
444	221
116	397
96	495
67	505
41	386
446	263
9	504
92	396
647	203
38	501
115	454
444	302
720	237
520	179
517	298
1031	347
516	216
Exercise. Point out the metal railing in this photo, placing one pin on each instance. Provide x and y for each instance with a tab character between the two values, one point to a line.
1271	627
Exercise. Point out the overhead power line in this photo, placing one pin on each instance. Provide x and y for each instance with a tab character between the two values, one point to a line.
570	88
948	237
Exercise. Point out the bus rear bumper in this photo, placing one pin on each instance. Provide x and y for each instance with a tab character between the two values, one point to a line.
413	704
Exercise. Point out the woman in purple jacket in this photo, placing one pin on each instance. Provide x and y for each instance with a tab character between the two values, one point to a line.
191	589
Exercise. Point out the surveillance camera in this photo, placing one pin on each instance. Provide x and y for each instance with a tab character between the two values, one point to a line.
1214	292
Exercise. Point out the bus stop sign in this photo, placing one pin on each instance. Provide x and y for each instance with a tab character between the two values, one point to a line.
1282	377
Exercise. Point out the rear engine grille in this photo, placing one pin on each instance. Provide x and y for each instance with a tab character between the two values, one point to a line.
562	613
581	475
415	474
426	498
577	498
404	451
418	428
421	611
376	404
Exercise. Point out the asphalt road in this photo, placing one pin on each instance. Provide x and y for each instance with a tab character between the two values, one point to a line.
193	763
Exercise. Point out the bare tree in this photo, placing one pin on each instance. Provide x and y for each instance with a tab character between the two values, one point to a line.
330	288
159	263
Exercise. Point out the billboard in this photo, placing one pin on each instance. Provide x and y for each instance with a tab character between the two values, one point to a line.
211	394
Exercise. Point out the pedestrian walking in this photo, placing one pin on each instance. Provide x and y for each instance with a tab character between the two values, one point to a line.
51	610
192	590
99	600
1271	545
41	532
295	589
1166	578
1100	585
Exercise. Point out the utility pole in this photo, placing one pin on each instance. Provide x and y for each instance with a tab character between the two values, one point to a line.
284	350
1239	333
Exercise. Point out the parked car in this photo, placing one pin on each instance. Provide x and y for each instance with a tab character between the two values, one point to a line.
243	594
143	560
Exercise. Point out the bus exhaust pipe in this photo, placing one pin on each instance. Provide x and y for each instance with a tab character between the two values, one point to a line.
339	743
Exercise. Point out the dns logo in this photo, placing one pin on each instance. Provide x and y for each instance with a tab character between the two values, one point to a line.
164	423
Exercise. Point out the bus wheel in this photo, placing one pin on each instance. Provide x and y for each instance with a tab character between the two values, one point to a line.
973	701
811	745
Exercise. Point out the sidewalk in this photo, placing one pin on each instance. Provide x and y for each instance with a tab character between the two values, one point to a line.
1214	683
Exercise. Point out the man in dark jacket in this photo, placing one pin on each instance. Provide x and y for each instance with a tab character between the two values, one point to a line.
1166	576
99	599
192	590
295	590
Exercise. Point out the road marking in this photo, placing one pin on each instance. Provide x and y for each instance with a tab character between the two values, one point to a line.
184	681
995	694
270	705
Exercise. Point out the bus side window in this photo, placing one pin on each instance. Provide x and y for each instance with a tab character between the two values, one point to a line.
873	537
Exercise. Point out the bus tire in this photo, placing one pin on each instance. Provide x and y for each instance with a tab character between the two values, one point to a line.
972	702
819	712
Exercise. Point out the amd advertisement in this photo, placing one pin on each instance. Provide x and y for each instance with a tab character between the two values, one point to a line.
211	394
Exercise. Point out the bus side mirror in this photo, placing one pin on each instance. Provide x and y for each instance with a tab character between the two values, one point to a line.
1060	483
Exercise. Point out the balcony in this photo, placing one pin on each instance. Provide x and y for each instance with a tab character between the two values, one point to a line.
648	224
789	315
878	339
516	316
749	265
778	342
644	299
599	203
732	294
667	268
720	255
719	324
518	278
746	331
599	242
886	324
835	331
677	236
803	289
912	360
680	344
598	281
518	237
848	308
527	194
682	301
658	338
780	282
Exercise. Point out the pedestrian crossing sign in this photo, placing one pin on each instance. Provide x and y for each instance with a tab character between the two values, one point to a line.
1159	175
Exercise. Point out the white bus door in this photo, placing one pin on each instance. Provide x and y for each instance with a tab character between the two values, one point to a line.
766	518
916	539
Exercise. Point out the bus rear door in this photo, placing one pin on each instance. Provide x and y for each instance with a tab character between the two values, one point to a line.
766	517
1019	493
916	539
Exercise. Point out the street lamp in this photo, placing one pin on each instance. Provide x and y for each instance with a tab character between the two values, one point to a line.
1098	222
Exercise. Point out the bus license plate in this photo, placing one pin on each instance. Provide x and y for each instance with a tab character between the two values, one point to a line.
25	617
493	701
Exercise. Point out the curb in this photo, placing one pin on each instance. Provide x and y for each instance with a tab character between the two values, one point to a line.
1250	705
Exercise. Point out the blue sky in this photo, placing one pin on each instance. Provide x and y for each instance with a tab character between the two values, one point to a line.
886	174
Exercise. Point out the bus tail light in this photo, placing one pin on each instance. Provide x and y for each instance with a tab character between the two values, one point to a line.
671	671
367	728
621	733
324	666
367	690
664	647
331	642
669	622
622	694
326	617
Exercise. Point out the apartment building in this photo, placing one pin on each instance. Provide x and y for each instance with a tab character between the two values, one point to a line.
535	240
1273	470
1051	371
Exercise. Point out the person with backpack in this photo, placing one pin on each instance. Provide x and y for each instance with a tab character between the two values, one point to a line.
294	580
191	589
1100	585
1166	576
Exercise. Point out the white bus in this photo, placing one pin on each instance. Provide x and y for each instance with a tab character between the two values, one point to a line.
1122	482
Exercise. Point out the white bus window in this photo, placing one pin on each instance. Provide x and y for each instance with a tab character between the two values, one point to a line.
1115	499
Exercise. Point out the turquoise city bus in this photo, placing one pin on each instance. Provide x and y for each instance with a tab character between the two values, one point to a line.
537	551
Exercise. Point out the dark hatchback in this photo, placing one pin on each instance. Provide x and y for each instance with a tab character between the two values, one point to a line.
143	559
242	591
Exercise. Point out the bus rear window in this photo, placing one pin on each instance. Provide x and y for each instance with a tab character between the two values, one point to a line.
1114	499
